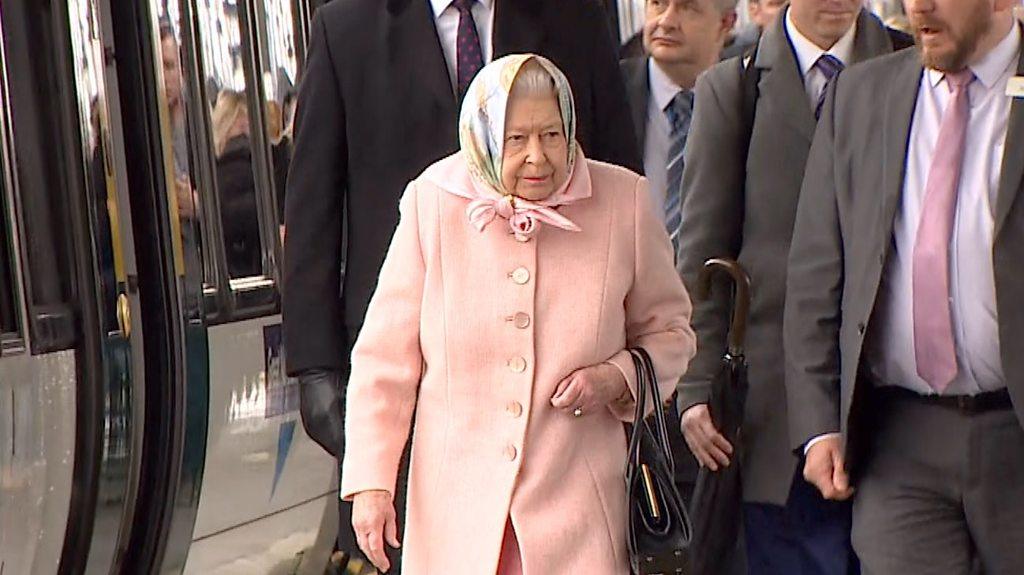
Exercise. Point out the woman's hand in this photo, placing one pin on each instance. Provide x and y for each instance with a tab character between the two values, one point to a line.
589	389
373	518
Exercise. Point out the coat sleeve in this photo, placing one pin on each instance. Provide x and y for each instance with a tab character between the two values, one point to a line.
657	307
713	210
814	290
386	364
313	322
614	133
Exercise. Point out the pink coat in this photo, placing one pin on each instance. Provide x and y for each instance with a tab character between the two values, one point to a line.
473	330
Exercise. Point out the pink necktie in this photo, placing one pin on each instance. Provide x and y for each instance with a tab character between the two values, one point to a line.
933	327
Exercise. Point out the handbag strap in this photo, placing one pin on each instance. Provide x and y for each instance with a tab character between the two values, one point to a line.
646	383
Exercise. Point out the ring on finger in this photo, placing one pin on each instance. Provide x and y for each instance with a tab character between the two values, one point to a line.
578	412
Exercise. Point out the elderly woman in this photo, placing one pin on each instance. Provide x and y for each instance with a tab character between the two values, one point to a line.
518	278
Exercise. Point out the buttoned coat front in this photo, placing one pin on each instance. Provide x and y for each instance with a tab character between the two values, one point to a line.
472	331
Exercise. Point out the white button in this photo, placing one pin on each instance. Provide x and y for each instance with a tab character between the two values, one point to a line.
511	453
514	408
517	364
520	275
522	320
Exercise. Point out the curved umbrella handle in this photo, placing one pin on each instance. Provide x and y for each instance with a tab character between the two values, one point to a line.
741	300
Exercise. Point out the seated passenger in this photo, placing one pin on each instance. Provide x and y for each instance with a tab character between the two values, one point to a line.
518	276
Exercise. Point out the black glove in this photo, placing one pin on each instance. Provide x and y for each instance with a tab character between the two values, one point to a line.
322	406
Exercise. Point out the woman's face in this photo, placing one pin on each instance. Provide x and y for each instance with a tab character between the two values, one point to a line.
536	156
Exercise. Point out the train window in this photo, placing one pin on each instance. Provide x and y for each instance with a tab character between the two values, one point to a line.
182	174
279	67
223	60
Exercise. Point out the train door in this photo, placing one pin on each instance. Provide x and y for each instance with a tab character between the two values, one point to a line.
227	72
69	378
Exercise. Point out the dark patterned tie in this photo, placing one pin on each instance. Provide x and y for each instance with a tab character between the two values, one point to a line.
830	66
469	56
679	112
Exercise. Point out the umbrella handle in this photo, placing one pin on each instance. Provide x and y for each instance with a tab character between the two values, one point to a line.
741	300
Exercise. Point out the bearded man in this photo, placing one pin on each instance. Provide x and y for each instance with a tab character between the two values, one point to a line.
904	325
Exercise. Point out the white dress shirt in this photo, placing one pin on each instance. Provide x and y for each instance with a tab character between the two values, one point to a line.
446	19
807	54
971	274
659	132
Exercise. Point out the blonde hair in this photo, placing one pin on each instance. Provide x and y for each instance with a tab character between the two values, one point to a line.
230	105
533	81
274	127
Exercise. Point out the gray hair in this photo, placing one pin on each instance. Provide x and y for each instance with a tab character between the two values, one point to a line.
534	81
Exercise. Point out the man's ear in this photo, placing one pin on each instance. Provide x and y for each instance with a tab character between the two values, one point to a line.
728	23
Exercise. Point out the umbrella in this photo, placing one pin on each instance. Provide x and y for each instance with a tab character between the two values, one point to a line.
717	497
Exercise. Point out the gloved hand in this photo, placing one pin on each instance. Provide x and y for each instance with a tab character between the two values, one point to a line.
322	406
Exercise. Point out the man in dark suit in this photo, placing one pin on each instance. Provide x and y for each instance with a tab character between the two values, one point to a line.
683	39
742	205
379	103
904	328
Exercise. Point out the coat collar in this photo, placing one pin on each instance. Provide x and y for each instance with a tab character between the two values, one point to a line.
637	76
415	49
900	101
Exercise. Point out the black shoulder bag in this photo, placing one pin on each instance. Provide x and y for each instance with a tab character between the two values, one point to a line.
659	525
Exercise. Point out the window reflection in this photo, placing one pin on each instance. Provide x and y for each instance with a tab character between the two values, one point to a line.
99	178
279	79
222	54
235	184
183	199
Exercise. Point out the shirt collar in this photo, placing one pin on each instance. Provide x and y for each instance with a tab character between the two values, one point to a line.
440	6
807	52
663	89
993	65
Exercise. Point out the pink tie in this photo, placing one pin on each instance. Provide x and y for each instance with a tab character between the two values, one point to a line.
933	327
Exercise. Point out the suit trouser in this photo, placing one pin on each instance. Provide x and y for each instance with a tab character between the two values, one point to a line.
941	491
809	536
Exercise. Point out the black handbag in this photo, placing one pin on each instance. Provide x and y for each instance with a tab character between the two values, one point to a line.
659	525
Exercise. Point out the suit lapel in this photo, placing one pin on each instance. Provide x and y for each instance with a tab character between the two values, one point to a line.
1010	179
900	103
414	47
871	40
638	80
517	27
781	83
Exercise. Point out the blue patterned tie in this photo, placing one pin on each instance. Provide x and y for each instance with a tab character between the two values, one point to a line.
468	55
830	66
679	112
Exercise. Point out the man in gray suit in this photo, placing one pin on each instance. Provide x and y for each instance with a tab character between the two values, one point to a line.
904	323
742	205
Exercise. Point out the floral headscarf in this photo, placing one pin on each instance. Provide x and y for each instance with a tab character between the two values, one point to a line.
482	139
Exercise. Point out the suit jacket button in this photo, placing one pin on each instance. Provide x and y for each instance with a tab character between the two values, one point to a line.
517	364
520	275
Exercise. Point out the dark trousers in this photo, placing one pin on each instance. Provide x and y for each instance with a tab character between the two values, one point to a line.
809	536
941	492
